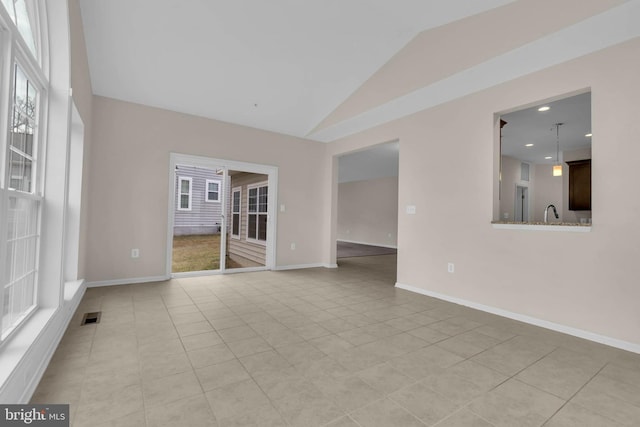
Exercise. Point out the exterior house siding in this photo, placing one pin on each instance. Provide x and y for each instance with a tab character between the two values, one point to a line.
204	217
241	249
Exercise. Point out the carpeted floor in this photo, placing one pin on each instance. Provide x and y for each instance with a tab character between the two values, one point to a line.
348	250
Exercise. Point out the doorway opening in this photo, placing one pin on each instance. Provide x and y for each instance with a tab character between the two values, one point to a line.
367	202
221	216
522	203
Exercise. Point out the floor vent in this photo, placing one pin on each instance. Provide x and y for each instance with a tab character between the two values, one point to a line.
89	318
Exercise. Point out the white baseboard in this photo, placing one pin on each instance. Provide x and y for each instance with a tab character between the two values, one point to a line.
117	282
602	339
28	353
368	243
299	266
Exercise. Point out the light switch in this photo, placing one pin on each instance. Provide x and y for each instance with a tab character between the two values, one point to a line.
411	209
282	208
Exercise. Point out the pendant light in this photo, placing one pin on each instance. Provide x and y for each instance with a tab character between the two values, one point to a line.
557	168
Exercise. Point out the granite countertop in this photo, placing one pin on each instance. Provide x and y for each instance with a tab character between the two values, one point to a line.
570	224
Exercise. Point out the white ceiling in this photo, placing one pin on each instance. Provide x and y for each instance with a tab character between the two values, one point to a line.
280	65
529	126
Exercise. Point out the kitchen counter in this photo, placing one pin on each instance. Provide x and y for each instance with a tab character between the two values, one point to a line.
542	226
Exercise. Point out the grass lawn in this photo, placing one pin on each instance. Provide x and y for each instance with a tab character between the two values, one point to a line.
198	253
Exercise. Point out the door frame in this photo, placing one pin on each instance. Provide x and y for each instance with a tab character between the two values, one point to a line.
212	163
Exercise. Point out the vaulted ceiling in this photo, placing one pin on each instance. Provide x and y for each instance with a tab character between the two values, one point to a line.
323	69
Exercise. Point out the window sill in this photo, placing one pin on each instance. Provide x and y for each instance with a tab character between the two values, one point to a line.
573	227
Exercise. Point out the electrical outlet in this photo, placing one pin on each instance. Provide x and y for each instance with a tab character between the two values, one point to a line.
451	267
135	253
411	209
282	208
293	246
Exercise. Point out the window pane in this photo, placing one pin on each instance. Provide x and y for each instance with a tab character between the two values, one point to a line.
236	201
184	201
23	22
23	141
23	124
236	225
20	169
253	199
262	227
184	186
252	226
20	264
262	207
212	191
6	308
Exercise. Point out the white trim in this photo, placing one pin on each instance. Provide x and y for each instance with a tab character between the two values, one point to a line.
206	190
239	213
367	244
609	28
580	333
180	193
577	228
130	281
302	266
25	358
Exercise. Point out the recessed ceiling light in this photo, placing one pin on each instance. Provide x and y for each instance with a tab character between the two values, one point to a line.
588	135
548	157
545	108
528	145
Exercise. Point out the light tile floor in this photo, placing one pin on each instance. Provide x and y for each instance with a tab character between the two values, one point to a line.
325	347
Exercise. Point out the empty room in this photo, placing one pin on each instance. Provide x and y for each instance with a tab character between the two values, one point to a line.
319	213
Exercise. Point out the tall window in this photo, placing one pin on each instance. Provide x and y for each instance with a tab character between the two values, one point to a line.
257	212
213	191
184	193
21	147
235	212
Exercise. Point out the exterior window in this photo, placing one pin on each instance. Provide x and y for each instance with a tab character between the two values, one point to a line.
24	18
257	212
235	212
213	191
184	194
21	189
23	206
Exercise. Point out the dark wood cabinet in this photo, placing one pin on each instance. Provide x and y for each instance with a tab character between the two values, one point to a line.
580	185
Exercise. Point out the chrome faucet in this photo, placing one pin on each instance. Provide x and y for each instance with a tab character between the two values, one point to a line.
546	211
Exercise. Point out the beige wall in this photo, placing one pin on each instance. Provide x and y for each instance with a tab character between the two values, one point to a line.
83	98
548	191
130	178
511	174
368	211
582	280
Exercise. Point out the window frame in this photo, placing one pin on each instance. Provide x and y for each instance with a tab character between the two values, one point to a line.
239	213
258	213
15	53
180	193
206	191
